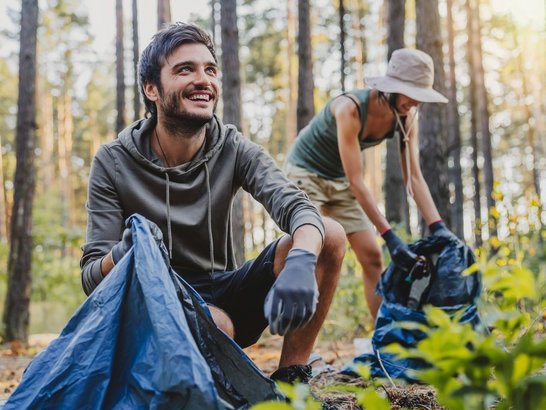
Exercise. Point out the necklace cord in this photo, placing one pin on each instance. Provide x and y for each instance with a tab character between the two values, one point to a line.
161	148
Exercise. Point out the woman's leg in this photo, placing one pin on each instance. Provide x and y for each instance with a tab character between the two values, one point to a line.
368	253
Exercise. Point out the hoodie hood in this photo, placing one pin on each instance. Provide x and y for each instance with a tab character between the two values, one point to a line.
136	139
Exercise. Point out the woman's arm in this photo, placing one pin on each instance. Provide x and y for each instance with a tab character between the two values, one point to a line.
419	187
348	125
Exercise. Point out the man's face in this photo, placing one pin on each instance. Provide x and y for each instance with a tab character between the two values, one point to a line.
404	104
189	85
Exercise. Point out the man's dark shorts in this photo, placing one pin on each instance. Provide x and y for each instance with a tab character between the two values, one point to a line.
241	293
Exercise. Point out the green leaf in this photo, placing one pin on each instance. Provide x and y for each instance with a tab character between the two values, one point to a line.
369	399
437	317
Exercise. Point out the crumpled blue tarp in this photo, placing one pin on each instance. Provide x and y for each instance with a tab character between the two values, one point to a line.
143	339
447	288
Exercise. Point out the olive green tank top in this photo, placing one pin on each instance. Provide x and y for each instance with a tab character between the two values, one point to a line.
316	148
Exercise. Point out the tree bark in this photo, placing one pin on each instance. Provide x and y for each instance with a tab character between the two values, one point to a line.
485	134
163	13
231	83
16	311
474	128
136	91
292	92
306	106
454	133
120	69
396	200
342	63
432	121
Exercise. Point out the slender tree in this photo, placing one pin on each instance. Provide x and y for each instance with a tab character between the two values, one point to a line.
292	91
306	107
136	92
231	85
120	69
16	311
485	134
213	20
474	128
163	13
342	65
454	132
396	200
432	121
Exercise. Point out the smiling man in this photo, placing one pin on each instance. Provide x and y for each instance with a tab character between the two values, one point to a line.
181	167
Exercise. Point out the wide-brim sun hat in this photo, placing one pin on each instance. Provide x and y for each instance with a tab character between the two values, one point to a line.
410	72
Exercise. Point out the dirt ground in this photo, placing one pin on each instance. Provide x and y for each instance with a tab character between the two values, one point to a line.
14	359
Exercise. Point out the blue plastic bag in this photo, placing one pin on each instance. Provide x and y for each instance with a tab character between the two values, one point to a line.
143	339
445	287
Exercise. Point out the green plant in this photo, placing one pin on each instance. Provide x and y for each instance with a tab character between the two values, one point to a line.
298	398
472	370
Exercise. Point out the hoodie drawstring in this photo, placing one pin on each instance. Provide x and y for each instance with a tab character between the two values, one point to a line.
209	218
168	201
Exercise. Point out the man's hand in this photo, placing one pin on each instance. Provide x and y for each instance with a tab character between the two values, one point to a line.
292	300
440	229
401	255
122	247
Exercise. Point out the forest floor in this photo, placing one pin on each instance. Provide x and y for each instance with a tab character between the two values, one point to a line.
14	359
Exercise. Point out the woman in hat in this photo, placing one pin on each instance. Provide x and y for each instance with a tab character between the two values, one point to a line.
326	161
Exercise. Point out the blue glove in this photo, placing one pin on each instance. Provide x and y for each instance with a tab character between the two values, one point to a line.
440	229
400	253
122	247
292	300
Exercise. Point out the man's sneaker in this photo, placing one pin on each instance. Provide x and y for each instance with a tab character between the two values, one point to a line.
292	374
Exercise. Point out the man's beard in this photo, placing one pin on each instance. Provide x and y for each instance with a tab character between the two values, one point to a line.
181	122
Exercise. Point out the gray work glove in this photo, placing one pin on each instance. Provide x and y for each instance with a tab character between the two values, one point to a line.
401	254
122	247
440	229
292	300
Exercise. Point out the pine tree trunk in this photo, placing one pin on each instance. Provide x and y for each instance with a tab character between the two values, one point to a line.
481	94
360	43
432	118
474	128
231	83
292	97
306	107
163	13
342	63
213	20
136	92
120	69
396	201
16	311
47	162
454	132
65	127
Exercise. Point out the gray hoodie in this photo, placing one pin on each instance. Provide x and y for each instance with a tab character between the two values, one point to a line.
190	203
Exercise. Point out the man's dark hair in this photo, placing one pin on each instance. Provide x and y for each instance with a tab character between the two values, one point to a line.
163	44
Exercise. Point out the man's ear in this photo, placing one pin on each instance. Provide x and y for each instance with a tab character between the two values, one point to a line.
151	91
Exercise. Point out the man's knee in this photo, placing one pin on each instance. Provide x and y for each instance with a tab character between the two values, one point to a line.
222	320
334	240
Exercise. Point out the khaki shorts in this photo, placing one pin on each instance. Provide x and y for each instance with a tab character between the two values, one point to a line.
334	198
